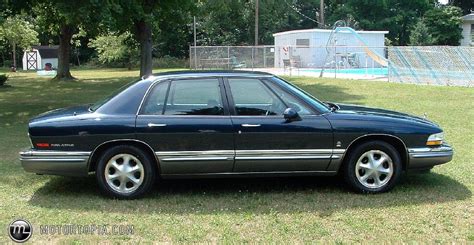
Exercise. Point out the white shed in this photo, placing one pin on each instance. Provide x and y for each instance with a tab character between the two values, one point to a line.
309	46
38	56
467	30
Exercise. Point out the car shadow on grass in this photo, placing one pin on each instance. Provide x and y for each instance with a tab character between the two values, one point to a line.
321	195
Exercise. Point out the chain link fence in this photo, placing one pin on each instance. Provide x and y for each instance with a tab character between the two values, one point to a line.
231	57
437	65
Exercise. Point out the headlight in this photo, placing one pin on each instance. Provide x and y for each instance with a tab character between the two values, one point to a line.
435	139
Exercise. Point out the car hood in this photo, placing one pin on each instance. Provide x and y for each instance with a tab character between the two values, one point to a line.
377	112
68	112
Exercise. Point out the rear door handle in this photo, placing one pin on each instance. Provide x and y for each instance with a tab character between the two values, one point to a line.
156	125
246	125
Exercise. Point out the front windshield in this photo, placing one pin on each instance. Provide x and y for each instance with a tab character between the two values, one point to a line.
320	106
99	103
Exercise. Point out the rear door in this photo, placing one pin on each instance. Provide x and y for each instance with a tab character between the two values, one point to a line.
265	141
188	123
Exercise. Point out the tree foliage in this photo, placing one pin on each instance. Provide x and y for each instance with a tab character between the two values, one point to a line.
17	31
113	47
396	16
158	28
62	19
420	35
466	6
444	25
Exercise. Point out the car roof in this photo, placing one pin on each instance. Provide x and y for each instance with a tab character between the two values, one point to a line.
210	73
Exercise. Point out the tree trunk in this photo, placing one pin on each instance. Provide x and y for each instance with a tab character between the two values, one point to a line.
143	33
65	36
14	54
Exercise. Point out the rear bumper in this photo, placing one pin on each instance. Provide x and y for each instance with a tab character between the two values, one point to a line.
69	163
427	157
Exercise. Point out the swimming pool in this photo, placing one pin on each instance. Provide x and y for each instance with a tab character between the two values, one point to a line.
382	71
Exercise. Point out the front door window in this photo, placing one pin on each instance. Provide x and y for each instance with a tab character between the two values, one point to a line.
253	98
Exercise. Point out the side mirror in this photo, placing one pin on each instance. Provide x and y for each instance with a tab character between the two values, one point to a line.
290	114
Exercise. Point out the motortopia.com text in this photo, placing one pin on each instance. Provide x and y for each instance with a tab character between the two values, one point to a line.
93	229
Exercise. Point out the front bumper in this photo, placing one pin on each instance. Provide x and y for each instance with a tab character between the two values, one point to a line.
427	157
69	163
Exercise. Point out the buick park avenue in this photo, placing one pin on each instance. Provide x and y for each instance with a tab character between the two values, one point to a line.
228	124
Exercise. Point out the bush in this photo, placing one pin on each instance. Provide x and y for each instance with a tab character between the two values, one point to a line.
3	79
170	62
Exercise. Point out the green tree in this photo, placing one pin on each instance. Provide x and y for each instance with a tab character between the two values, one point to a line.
63	19
232	22
396	16
112	47
467	6
139	17
420	35
444	24
18	32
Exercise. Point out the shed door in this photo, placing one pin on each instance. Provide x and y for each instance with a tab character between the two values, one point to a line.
32	60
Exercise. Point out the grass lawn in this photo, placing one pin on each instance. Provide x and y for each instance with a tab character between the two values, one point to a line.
433	207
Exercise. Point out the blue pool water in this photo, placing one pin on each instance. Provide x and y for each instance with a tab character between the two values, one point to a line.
383	71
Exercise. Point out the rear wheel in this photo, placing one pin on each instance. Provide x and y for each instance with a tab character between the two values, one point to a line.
373	167
125	172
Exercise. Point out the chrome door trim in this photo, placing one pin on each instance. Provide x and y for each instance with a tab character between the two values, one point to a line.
222	155
285	152
213	155
194	153
283	157
249	174
176	159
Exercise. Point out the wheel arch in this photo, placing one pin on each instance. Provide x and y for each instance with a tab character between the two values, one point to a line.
92	164
393	140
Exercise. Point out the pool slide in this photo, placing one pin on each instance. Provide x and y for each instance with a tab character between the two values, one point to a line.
375	56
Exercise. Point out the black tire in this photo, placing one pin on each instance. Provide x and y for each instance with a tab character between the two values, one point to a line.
148	167
349	167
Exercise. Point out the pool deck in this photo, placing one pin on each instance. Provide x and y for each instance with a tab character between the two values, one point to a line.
329	73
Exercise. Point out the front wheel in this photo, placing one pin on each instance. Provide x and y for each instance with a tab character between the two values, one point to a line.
125	172
373	167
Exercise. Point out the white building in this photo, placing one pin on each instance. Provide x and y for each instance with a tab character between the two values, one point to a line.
308	47
468	30
38	56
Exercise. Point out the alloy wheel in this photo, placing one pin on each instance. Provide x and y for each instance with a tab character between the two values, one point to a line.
374	169
124	173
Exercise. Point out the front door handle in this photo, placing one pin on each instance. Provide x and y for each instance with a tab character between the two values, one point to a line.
156	125
246	125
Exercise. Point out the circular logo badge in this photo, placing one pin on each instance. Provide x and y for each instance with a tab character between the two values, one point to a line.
20	230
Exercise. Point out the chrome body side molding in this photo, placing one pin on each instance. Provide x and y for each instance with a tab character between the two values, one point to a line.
71	163
427	157
244	161
249	174
219	155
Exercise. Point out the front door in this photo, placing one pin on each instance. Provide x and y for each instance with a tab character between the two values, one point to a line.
189	126
265	141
